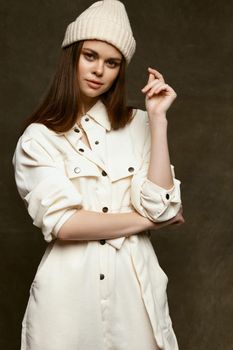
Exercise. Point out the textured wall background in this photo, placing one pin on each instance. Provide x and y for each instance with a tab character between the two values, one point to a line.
190	43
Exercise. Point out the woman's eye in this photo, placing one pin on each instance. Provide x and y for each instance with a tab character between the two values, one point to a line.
112	64
89	56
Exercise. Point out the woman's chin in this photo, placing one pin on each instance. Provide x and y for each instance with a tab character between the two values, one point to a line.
93	94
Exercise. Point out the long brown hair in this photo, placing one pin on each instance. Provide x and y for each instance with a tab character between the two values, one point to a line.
59	108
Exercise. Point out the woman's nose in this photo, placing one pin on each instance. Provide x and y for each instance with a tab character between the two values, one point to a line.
99	68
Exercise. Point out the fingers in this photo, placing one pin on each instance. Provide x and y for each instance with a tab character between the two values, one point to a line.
159	225
156	74
154	83
176	220
179	221
158	88
180	210
151	78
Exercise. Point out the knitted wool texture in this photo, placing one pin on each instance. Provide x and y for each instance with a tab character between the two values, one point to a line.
105	20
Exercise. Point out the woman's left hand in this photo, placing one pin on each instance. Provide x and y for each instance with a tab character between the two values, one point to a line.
159	95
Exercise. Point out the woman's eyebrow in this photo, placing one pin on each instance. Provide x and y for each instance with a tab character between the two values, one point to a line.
110	58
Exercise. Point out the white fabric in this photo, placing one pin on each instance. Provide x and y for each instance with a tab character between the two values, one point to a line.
70	307
104	20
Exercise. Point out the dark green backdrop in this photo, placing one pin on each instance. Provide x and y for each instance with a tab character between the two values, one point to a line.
190	43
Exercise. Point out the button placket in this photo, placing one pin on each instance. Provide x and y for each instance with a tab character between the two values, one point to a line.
107	269
104	191
87	123
82	125
97	140
91	155
103	269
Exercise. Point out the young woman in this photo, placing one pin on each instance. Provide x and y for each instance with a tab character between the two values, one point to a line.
95	176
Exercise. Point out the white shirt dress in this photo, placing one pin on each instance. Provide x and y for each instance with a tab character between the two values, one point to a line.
99	294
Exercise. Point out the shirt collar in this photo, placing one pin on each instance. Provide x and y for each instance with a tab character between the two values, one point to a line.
99	113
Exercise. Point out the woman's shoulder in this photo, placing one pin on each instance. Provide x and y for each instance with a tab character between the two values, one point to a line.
37	131
36	142
37	137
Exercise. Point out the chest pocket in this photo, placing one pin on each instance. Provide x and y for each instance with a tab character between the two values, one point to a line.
123	168
80	166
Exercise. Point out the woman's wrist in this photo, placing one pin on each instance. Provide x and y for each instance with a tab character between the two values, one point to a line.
158	120
142	222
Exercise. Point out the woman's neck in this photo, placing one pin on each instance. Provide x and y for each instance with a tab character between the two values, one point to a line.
86	106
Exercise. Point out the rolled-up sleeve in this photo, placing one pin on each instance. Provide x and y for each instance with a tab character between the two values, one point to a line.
49	195
149	199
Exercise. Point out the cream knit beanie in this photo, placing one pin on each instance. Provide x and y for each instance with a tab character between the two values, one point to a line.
105	20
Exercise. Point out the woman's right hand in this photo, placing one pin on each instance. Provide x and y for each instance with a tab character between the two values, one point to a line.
177	220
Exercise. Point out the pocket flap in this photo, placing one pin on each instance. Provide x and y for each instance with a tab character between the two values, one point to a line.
77	167
119	170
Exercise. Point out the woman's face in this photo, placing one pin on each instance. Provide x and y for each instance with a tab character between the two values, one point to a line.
98	67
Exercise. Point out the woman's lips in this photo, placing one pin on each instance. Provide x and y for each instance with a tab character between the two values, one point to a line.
93	84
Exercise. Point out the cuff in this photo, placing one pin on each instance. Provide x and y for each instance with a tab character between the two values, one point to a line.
62	220
150	189
158	203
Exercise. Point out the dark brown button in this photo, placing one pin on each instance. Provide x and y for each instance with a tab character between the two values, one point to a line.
130	169
167	196
101	276
104	173
81	149
96	142
102	241
105	209
86	119
76	130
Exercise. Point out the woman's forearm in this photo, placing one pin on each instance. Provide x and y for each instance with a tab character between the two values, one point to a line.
91	225
159	170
